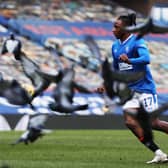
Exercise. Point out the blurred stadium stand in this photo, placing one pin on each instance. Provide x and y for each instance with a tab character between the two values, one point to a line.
64	25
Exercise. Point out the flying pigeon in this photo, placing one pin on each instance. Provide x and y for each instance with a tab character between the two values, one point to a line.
12	45
64	93
39	79
35	130
115	82
149	26
156	21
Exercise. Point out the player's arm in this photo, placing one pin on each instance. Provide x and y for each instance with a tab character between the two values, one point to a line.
143	54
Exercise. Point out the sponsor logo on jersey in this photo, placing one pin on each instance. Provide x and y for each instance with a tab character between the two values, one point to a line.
124	66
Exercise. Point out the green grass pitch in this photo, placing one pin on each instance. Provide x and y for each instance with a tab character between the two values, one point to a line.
79	149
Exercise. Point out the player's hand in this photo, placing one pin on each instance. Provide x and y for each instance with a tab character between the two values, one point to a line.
100	90
124	58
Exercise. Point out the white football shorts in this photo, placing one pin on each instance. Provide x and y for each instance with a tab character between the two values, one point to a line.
148	100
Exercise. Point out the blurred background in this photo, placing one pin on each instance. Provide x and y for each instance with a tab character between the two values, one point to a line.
79	31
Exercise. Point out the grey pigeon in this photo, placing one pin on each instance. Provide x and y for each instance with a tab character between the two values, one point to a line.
64	93
35	130
116	83
39	79
155	22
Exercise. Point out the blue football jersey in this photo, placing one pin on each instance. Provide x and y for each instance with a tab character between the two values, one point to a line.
139	58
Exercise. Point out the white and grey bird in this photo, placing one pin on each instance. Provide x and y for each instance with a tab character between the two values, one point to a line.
34	131
12	45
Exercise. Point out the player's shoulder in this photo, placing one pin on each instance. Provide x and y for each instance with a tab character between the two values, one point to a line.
138	39
140	42
115	43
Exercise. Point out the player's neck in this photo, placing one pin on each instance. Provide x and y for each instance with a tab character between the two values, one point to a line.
125	37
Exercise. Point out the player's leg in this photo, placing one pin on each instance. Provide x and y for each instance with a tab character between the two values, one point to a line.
137	120
149	103
144	134
130	109
133	125
160	125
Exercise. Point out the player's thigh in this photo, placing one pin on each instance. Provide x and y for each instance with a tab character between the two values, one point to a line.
130	119
149	101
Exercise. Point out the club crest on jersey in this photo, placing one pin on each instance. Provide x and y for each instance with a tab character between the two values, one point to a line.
127	49
115	50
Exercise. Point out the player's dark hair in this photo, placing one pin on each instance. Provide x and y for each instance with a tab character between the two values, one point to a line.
129	20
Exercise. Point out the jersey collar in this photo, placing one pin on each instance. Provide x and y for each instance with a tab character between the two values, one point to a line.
125	39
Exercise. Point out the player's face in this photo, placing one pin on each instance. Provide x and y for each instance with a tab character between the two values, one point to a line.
117	29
